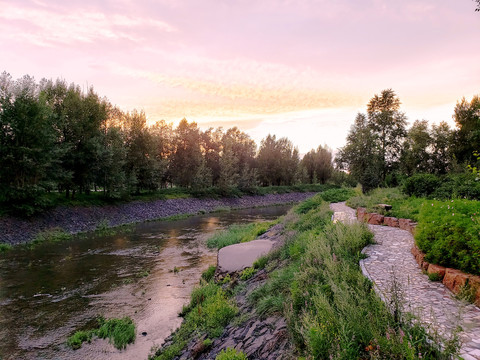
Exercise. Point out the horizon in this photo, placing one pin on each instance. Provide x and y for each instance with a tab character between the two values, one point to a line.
300	69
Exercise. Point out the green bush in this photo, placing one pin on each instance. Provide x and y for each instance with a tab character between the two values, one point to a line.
78	338
337	195
231	354
421	185
448	233
248	273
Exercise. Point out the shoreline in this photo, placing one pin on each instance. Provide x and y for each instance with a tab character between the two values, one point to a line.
73	220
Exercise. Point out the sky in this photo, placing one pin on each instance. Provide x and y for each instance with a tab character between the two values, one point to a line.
296	68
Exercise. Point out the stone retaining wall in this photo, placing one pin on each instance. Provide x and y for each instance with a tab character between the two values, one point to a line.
454	280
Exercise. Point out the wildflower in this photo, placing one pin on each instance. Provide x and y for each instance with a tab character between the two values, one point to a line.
453	214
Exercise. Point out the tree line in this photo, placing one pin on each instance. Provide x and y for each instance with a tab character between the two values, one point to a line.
55	137
381	151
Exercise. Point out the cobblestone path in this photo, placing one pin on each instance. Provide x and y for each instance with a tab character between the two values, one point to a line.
390	258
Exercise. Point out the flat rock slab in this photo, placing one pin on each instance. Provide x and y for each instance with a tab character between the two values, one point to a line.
237	257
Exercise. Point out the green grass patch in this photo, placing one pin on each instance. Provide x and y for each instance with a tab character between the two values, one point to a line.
49	236
231	354
120	333
448	233
208	274
331	308
337	195
247	273
5	247
239	233
208	312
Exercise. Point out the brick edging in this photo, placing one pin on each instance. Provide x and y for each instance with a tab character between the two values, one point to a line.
453	279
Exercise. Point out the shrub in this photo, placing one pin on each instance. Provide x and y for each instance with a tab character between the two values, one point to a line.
231	354
261	262
337	195
78	338
448	233
421	185
309	204
5	247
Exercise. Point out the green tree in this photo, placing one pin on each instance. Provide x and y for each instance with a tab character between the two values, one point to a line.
27	144
361	156
441	154
467	136
317	165
416	156
388	125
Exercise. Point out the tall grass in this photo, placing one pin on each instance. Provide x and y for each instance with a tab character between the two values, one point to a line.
239	233
331	308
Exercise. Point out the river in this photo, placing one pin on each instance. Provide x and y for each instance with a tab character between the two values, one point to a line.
49	292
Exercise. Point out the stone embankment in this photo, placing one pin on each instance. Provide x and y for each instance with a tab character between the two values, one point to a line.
82	219
258	338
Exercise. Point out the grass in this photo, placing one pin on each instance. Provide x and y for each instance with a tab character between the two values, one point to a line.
49	236
5	247
331	308
120	333
208	312
239	233
402	205
231	354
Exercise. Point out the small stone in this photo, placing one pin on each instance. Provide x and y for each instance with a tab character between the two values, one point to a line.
144	333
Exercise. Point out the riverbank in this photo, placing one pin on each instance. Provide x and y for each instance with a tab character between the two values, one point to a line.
308	298
74	220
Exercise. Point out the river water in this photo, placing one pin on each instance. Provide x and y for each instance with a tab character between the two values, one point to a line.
49	292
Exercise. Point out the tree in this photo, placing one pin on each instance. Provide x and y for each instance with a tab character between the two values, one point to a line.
277	161
187	160
388	125
361	156
27	143
317	165
478	5
441	153
467	136
416	156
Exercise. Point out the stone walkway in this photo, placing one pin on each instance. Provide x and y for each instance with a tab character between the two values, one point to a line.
390	258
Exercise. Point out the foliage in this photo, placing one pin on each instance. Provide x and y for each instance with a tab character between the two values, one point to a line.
467	137
448	233
208	312
337	195
208	274
50	236
261	262
330	306
421	185
316	165
231	354
248	273
5	247
239	233
120	332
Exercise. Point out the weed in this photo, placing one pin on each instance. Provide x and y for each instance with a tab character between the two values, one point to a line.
79	337
261	262
49	236
207	343
208	274
120	332
434	277
248	273
231	354
466	293
142	274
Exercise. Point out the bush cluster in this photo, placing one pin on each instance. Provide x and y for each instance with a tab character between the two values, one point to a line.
449	233
465	186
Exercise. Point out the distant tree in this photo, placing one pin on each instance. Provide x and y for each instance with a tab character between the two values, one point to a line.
187	160
416	155
361	156
212	148
277	161
467	135
388	125
478	5
317	165
441	152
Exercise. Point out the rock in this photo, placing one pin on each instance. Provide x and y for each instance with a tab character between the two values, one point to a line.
454	279
436	269
404	224
235	258
361	214
375	219
390	221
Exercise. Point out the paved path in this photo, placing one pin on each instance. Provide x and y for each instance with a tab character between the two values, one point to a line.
430	301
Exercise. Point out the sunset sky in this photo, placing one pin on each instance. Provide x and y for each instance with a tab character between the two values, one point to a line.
294	68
